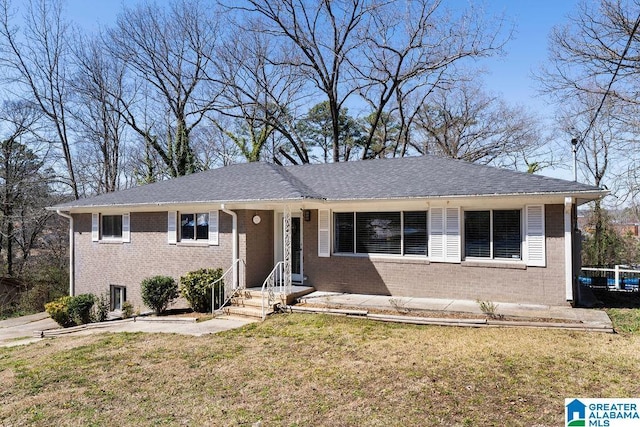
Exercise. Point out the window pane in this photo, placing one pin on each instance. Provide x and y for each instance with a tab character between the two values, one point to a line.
378	232
415	233
506	234
117	298
202	226
477	234
112	226
343	232
187	226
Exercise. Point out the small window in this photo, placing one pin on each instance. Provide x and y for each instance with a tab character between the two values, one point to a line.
477	234
415	233
493	234
118	297
344	232
111	226
194	226
378	233
506	234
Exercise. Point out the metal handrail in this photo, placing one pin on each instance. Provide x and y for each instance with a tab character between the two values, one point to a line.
228	289
273	280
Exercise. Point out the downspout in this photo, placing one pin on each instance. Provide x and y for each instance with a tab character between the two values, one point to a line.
71	252
234	244
568	248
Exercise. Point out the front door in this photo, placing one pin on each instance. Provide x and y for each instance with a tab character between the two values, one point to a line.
296	250
296	245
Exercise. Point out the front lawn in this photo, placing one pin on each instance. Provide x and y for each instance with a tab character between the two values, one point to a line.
308	370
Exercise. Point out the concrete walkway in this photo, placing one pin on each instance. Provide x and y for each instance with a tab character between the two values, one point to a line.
28	329
589	317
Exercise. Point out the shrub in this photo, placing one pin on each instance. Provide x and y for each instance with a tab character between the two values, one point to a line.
59	311
80	308
195	287
102	306
158	292
127	310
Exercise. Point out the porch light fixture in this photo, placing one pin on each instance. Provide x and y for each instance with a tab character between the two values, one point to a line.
256	219
307	215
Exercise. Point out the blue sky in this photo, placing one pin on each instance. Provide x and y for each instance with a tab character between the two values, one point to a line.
527	51
509	76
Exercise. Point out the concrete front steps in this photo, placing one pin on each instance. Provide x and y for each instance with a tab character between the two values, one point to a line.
248	302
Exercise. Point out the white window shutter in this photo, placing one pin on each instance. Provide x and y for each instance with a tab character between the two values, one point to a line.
213	227
535	236
452	235
172	227
436	234
95	227
324	233
126	228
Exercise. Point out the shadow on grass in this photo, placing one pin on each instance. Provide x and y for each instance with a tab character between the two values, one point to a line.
615	299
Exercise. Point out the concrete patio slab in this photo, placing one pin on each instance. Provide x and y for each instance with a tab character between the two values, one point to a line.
593	317
26	330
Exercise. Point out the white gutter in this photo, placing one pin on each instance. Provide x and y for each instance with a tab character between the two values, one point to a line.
568	248
71	252
234	245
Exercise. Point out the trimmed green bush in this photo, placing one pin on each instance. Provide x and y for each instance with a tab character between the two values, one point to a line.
158	292
59	311
101	308
80	308
127	310
195	287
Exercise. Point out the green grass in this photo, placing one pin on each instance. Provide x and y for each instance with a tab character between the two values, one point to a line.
316	370
9	314
625	320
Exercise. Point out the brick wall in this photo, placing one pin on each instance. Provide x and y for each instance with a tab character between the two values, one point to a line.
256	245
415	277
100	264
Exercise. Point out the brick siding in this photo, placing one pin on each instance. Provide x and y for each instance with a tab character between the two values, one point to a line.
100	264
420	278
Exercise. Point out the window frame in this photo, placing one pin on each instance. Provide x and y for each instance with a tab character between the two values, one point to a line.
103	235
354	237
195	238
492	257
174	228
113	304
98	228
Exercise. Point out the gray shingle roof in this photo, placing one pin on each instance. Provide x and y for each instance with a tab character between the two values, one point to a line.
425	176
408	177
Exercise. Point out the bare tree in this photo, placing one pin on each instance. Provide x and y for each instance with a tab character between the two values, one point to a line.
169	54
410	48
596	52
36	58
325	36
23	186
258	88
98	85
466	123
603	145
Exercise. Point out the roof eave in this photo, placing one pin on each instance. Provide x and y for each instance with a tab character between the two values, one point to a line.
70	208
